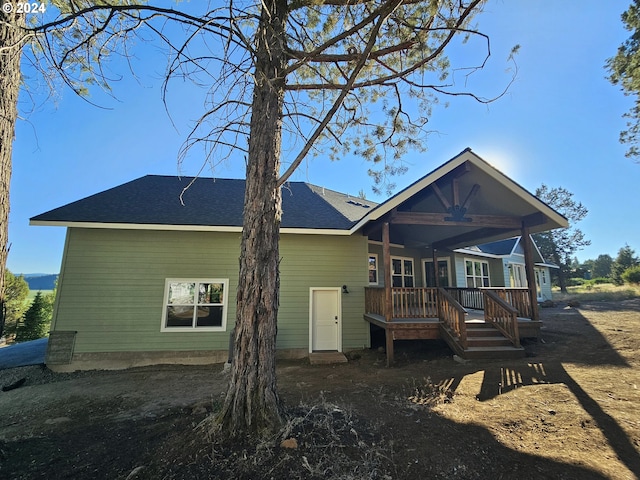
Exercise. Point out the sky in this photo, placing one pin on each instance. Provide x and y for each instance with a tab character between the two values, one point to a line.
558	124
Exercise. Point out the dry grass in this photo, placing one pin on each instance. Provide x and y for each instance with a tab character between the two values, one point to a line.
317	441
431	394
606	292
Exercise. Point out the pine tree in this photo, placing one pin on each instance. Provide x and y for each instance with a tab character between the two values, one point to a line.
335	77
560	245
602	266
16	293
626	259
35	321
623	69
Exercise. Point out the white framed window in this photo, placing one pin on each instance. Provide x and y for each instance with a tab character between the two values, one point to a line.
195	304
402	272
477	273
373	269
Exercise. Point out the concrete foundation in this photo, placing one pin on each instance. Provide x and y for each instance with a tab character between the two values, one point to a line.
123	360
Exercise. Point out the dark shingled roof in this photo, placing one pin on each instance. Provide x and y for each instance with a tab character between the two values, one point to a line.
501	247
155	200
505	247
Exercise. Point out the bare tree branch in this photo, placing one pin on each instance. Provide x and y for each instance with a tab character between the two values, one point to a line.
373	37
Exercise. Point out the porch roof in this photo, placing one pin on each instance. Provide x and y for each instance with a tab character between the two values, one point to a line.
466	201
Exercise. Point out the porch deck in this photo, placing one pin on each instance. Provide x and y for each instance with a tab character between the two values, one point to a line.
486	326
528	328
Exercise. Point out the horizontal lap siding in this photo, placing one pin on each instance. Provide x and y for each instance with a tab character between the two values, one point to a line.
112	286
322	261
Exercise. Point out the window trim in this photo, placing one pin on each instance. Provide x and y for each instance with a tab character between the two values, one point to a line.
194	327
403	275
466	277
375	256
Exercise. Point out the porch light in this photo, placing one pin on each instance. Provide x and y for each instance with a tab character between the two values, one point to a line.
344	289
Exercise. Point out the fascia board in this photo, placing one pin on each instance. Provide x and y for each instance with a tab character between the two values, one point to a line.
535	245
413	189
466	155
550	265
185	228
520	191
515	245
465	251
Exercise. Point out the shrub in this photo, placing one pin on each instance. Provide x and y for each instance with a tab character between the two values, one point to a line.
597	281
631	275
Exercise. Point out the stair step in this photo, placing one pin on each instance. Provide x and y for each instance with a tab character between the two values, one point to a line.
479	325
481	332
494	352
489	342
483	342
495	349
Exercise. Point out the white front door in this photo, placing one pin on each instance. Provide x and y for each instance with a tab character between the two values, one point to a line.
325	319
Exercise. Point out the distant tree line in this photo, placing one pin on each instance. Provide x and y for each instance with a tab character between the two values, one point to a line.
25	320
625	268
560	246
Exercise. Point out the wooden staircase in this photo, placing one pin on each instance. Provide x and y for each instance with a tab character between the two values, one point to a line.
483	341
486	341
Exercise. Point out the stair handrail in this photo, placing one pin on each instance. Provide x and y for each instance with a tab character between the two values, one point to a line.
502	315
452	314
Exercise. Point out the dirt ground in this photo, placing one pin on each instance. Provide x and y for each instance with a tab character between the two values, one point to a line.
570	410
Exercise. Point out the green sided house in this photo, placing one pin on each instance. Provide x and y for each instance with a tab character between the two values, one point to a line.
147	278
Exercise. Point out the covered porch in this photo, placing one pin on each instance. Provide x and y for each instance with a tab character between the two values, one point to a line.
464	202
475	322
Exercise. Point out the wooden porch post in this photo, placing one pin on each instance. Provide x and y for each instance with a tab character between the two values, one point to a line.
388	298
437	280
435	268
529	269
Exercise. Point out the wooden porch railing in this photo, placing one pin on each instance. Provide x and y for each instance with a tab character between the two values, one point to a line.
374	300
467	297
414	302
518	298
452	314
473	298
502	315
407	302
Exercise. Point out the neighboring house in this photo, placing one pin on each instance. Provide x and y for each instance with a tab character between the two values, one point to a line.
504	262
149	276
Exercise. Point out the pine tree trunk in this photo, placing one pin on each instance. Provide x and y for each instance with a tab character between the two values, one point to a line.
252	406
10	52
561	272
